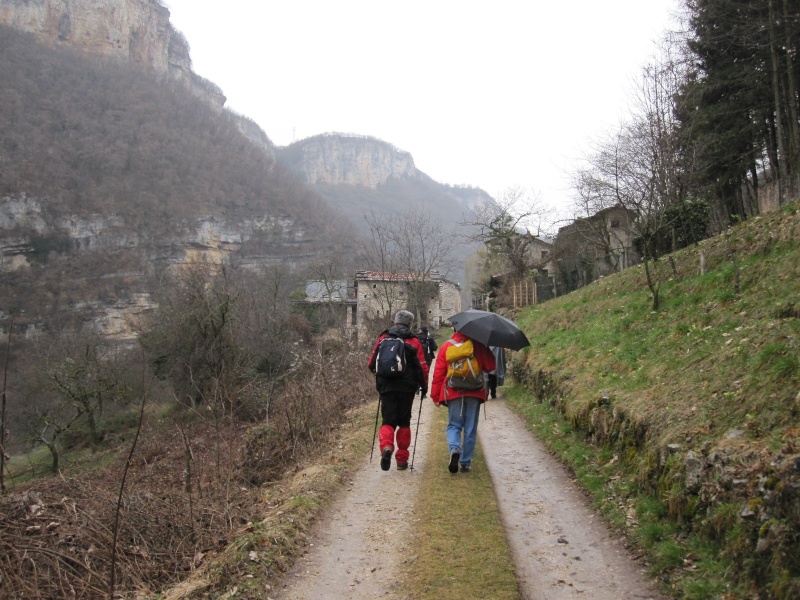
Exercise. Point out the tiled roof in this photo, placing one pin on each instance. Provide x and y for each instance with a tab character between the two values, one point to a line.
388	276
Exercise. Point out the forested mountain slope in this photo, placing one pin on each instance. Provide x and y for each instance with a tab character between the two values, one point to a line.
363	177
109	171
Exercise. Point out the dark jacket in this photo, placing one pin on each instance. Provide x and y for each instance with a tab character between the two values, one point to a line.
416	376
429	346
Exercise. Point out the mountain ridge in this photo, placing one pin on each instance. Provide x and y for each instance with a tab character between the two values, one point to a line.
81	176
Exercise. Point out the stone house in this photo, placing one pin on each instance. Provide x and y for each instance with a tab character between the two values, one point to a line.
377	296
541	254
595	246
509	289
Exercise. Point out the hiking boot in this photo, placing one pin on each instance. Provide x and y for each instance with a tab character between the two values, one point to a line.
453	466
386	458
466	468
402	466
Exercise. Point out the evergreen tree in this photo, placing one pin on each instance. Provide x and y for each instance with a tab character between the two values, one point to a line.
738	107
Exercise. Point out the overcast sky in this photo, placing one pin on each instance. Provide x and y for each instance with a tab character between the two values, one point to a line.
487	94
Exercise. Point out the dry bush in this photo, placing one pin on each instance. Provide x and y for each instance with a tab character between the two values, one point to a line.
318	393
55	535
188	491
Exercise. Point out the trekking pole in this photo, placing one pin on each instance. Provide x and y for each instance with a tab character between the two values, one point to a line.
419	417
374	433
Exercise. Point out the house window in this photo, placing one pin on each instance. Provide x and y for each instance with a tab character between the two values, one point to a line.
545	253
615	224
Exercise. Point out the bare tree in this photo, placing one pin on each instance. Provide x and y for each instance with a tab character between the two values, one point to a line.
414	248
328	310
80	378
638	169
195	344
424	249
382	257
509	229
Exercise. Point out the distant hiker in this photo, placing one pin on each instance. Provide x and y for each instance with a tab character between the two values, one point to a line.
458	382
398	362
428	344
498	376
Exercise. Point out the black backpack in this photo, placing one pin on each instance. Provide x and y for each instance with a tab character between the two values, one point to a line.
428	346
390	357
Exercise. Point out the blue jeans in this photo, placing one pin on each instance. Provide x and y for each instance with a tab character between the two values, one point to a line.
463	418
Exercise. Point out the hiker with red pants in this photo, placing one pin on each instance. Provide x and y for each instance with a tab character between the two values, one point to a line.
400	370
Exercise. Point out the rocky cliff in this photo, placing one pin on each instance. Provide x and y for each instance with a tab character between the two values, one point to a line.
348	159
36	246
138	31
362	176
110	177
385	178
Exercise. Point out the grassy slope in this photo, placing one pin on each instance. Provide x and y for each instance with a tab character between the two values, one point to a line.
695	405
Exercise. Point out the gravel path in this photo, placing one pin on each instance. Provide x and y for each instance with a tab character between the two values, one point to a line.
350	557
561	548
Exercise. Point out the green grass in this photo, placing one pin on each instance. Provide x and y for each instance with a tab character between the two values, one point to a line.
25	467
641	517
458	536
715	371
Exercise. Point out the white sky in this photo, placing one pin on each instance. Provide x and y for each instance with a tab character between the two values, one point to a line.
490	94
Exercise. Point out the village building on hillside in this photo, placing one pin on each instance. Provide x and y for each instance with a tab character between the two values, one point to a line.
596	246
370	302
542	250
379	295
513	289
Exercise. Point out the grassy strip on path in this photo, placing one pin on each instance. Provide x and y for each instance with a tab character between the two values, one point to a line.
458	536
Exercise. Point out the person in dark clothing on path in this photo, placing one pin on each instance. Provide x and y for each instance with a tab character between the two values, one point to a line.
428	344
397	391
498	376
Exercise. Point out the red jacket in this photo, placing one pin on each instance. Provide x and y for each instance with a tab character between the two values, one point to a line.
440	392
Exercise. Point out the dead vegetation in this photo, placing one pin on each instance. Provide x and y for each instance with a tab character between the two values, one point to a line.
196	492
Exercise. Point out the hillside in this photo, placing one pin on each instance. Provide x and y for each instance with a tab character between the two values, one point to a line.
110	172
695	406
361	176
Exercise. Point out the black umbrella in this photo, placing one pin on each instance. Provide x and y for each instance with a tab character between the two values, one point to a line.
489	328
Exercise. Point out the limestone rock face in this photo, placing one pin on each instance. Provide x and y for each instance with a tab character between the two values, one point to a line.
353	160
209	239
26	226
138	31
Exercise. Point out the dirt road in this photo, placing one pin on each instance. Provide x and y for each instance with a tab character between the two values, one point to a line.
360	546
561	549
